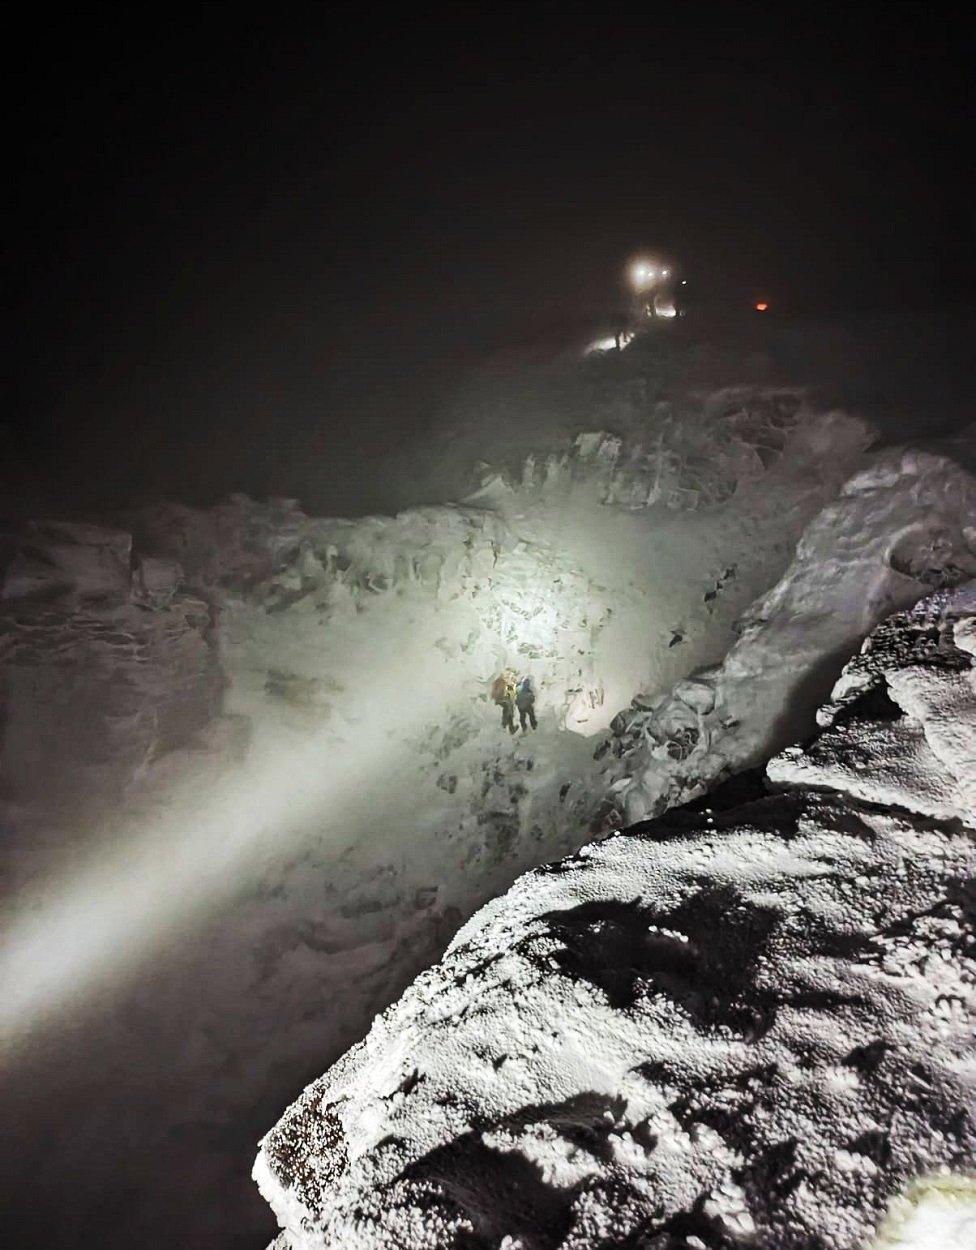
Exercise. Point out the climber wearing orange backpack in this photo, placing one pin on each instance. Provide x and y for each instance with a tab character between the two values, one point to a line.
503	694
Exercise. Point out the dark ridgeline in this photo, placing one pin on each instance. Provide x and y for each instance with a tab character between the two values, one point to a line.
258	256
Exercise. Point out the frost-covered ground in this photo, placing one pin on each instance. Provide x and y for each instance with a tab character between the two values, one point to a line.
252	781
732	1026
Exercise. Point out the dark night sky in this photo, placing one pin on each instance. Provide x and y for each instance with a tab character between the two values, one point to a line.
254	255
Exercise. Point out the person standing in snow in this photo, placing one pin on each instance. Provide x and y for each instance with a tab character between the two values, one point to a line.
503	693
525	700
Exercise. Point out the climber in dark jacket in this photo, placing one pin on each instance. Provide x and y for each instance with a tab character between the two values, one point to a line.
525	701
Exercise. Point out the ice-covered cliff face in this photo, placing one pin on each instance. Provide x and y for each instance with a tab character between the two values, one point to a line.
732	1026
252	781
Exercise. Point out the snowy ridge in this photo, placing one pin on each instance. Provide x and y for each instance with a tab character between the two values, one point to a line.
697	454
727	1027
901	525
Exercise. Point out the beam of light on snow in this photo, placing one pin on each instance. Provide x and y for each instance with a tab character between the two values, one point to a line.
156	879
610	342
182	857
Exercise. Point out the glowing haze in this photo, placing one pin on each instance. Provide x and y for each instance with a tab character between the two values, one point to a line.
157	876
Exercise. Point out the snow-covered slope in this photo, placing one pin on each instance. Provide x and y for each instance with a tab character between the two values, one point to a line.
205	699
252	781
727	1027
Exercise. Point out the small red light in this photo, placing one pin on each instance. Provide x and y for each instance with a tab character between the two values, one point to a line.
761	306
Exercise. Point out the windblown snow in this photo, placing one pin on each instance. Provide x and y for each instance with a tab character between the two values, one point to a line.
253	781
726	1027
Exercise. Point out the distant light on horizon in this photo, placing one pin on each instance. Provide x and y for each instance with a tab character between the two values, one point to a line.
647	273
643	274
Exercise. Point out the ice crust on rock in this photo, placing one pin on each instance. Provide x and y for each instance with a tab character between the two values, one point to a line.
69	558
752	1026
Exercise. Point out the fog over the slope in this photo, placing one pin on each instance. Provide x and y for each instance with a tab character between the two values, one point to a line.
392	430
910	375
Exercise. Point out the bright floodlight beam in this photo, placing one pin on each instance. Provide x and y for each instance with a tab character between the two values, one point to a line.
87	927
96	921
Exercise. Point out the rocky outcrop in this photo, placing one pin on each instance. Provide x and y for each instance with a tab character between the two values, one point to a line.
698	454
747	1025
107	660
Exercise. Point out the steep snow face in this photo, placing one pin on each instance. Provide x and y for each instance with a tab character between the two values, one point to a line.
726	1027
901	524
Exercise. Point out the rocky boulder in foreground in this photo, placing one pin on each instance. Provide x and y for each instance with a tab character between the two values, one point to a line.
748	1025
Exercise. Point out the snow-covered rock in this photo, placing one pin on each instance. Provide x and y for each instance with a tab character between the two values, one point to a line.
918	697
727	1027
898	527
102	680
252	782
56	558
